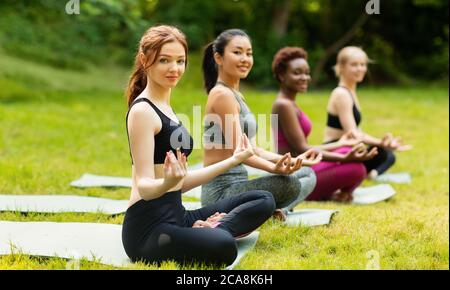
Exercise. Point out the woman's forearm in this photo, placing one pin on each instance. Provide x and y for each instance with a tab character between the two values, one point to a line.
149	188
370	140
329	146
267	155
260	163
332	156
198	177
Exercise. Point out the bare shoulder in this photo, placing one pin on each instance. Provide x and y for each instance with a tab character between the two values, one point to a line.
221	93
143	115
222	97
281	105
341	95
340	99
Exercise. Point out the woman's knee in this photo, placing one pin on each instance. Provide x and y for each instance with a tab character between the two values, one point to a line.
269	201
359	171
215	247
304	172
308	180
390	158
354	172
225	249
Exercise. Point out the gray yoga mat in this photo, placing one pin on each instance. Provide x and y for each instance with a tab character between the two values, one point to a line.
101	243
91	180
245	245
81	204
373	194
401	178
67	203
367	195
306	217
362	195
310	217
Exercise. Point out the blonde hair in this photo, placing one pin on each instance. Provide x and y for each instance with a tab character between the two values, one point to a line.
344	56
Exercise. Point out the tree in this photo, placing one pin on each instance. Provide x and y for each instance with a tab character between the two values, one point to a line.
281	18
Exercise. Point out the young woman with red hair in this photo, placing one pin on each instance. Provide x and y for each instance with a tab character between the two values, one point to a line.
157	227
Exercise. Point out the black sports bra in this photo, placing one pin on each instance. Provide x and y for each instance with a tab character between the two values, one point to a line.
171	136
333	120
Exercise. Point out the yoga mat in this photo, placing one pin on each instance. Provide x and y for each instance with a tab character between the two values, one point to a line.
305	217
95	242
310	217
91	180
362	195
61	203
367	195
401	178
245	245
373	194
68	203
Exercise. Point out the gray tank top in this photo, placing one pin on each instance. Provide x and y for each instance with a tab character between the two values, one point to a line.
247	120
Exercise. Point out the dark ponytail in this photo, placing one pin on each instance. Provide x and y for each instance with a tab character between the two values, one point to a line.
210	71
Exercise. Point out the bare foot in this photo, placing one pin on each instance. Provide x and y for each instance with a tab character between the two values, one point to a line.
280	215
202	224
345	197
372	175
216	217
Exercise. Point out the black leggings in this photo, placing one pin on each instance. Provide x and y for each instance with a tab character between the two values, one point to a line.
381	162
161	230
384	160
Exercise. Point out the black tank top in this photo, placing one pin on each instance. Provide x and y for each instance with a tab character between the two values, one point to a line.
333	120
172	135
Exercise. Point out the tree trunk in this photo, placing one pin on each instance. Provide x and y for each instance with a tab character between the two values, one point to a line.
281	18
338	45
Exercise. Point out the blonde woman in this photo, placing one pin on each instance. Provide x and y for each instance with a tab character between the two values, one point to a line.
345	113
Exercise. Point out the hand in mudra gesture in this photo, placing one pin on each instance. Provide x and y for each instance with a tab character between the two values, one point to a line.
244	149
351	138
211	222
175	168
359	153
287	165
394	143
310	157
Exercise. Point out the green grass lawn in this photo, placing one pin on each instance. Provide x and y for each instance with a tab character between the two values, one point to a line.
57	125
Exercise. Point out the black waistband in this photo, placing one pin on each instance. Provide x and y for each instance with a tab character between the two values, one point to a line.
171	197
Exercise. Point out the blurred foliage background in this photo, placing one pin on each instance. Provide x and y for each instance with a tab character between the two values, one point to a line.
408	40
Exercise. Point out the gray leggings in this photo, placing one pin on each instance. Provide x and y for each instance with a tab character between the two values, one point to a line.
287	190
